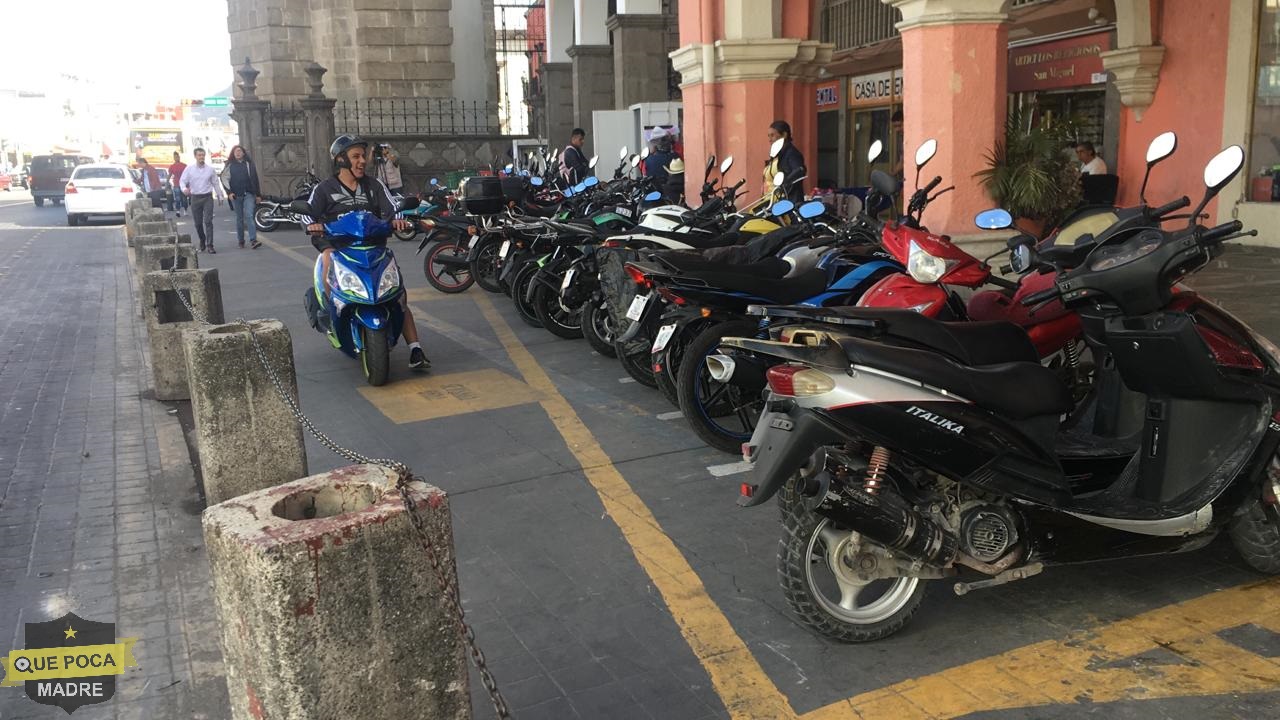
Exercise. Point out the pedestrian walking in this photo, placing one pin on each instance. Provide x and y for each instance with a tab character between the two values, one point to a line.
175	176
389	169
151	184
573	164
242	181
200	185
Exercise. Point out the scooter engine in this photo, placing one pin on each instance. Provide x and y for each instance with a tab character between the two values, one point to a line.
987	532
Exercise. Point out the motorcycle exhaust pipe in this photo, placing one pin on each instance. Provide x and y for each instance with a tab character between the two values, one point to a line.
889	520
744	371
721	367
454	260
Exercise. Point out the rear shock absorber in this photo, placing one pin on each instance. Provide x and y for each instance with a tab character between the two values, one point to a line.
1073	355
877	467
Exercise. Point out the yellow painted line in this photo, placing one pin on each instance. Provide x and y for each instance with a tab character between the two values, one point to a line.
741	683
439	396
1063	671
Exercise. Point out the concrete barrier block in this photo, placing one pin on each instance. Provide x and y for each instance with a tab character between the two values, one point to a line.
154	253
167	317
157	240
248	438
327	605
156	227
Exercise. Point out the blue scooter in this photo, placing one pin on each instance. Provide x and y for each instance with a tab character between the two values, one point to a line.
362	314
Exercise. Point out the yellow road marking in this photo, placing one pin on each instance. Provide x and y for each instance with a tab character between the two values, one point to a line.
1065	671
437	396
743	686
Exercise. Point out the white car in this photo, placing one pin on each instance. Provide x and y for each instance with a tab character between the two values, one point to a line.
98	189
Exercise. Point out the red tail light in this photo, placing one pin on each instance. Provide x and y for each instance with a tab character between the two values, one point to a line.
126	189
638	276
1227	352
71	189
612	244
672	297
747	490
798	381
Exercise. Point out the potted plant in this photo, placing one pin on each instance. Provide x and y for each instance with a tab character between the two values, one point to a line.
1030	174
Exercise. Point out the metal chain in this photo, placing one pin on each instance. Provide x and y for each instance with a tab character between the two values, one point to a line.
448	582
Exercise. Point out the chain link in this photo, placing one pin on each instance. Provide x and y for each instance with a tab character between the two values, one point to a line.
447	581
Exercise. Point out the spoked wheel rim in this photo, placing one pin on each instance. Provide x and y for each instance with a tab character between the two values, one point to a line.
833	584
449	275
726	408
487	262
602	325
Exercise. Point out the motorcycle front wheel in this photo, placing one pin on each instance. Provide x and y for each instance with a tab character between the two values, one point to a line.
407	235
375	360
823	592
262	219
446	277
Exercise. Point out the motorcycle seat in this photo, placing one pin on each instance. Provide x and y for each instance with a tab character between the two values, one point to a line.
766	286
968	343
684	261
543	211
1018	390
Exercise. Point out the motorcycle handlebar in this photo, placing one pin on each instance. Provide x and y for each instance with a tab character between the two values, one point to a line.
1039	297
1178	204
932	184
1220	232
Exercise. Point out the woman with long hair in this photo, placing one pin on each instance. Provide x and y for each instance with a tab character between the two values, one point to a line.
243	191
789	160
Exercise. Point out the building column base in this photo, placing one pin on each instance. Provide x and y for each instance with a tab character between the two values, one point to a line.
639	59
592	81
556	80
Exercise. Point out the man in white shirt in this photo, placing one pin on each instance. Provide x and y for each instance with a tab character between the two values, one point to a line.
1090	163
201	185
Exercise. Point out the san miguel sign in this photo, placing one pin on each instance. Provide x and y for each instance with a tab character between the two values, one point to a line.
1072	62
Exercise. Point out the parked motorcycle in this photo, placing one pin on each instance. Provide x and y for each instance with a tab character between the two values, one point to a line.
899	463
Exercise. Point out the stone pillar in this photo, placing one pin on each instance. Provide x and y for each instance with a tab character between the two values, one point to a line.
278	35
249	112
557	89
167	317
321	127
327	605
956	53
592	84
640	60
246	436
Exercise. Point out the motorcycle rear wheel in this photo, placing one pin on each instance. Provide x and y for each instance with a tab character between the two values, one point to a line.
407	235
520	294
635	359
446	278
722	415
375	360
262	220
597	328
860	612
1257	538
558	321
486	267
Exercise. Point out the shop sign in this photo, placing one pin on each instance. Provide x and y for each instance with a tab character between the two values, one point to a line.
829	95
1073	62
882	88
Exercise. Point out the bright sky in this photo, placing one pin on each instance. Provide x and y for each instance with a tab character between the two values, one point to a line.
172	48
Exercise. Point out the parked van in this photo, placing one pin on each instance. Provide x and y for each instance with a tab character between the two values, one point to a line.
49	175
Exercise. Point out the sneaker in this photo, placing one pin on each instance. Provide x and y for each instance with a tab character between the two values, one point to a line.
418	359
201	247
255	244
212	251
241	246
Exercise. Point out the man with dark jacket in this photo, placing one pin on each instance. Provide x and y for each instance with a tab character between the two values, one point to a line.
347	190
574	167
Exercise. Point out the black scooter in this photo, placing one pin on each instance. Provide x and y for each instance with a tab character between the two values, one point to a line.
898	462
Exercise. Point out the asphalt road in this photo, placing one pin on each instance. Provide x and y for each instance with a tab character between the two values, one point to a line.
609	573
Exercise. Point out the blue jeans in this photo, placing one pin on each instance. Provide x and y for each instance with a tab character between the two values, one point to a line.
243	207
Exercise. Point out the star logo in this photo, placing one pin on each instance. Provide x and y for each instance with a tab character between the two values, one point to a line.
69	632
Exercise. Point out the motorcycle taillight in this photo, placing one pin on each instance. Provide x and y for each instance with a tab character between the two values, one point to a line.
671	297
638	276
798	381
1227	352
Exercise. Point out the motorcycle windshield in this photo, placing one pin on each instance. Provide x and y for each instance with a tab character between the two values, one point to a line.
359	224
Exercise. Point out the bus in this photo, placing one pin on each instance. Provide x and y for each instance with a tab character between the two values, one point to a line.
157	145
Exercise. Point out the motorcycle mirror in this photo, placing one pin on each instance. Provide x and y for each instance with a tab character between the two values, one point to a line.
644	153
883	183
591	181
1022	259
434	182
301	207
1161	147
508	168
579	187
409	203
568	192
726	164
778	179
874	151
622	154
635	161
1217	173
535	181
776	148
782	207
993	219
654	196
594	159
925	153
813	209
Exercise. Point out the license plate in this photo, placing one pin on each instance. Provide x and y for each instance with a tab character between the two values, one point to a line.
624	212
506	248
636	311
664	337
568	280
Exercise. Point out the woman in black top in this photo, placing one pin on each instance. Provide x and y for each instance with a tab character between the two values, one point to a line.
790	160
243	191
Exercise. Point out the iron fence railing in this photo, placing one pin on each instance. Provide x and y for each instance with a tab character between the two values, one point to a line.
284	121
850	24
418	116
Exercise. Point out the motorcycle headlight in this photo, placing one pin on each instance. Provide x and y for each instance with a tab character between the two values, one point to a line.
390	280
924	267
349	282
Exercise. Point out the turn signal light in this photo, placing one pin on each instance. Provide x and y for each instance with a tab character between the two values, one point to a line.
71	189
798	381
638	276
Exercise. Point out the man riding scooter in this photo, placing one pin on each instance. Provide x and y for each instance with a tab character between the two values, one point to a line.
351	189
